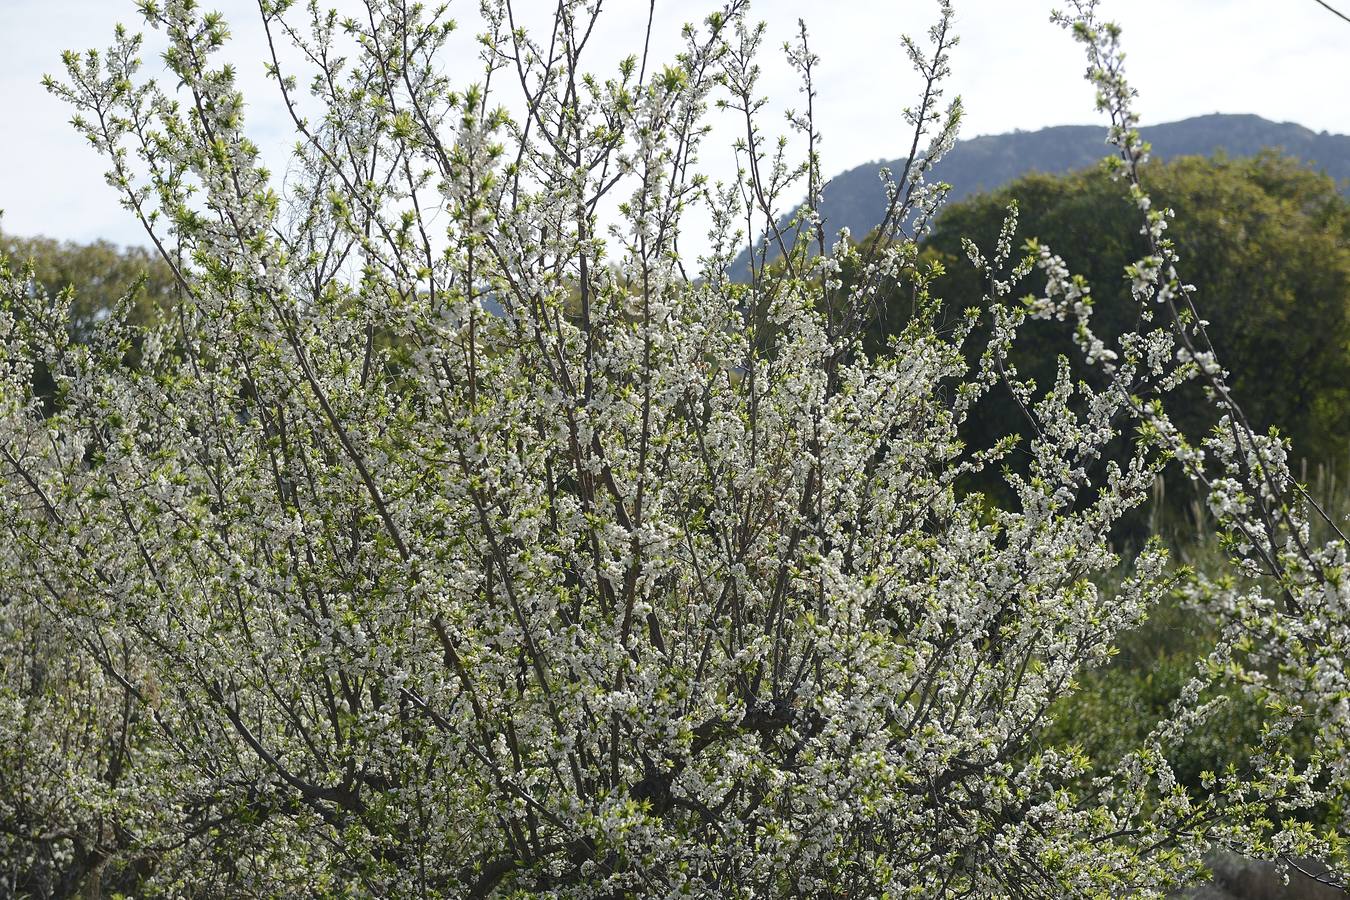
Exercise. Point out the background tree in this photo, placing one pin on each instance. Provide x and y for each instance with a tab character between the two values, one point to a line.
100	274
1267	245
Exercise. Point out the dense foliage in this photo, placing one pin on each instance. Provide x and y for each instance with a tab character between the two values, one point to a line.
1267	244
457	539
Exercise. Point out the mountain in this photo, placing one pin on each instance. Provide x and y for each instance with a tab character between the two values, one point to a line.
856	198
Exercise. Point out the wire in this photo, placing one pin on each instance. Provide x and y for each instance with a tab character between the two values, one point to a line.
1332	9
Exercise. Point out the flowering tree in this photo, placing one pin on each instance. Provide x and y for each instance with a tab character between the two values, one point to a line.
458	538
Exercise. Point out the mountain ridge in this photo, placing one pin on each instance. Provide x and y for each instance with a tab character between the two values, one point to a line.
856	198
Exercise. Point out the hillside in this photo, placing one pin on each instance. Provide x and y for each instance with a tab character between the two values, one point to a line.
855	198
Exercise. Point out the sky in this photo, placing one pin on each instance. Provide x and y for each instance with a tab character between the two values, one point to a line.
1286	60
